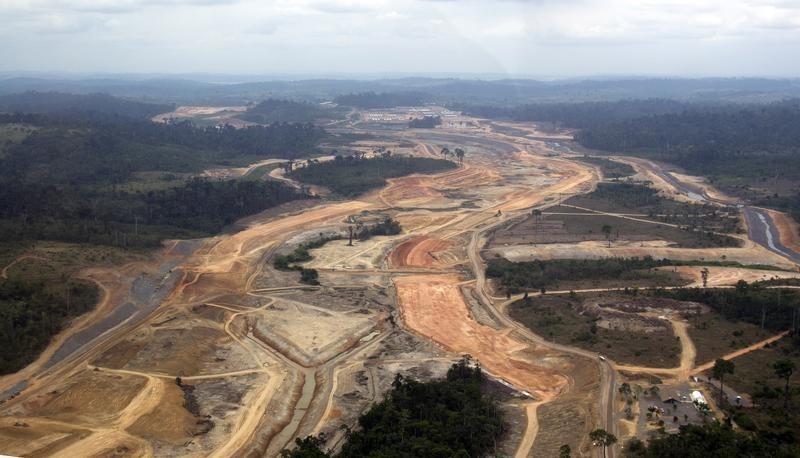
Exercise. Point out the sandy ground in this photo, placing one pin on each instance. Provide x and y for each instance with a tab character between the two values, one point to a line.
749	254
426	302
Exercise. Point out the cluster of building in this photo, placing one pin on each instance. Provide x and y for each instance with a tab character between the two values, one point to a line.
402	115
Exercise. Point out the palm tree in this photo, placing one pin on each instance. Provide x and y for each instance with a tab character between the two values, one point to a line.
784	368
602	438
460	156
721	367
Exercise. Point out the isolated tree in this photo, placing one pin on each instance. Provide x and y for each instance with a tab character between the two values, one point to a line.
784	368
445	152
721	367
607	231
602	438
460	155
564	451
704	276
625	389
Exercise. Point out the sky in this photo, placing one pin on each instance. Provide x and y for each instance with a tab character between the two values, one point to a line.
538	38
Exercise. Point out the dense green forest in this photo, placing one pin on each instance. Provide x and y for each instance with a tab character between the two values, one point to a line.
276	110
32	312
577	115
351	175
65	181
96	107
131	219
453	417
383	99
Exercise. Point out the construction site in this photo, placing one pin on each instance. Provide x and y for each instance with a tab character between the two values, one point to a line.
206	349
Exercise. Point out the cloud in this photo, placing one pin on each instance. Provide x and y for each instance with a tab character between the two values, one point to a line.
629	36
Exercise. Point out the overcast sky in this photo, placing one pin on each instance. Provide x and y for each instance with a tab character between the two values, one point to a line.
545	38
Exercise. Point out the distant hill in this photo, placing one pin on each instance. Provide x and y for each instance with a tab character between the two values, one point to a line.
511	91
101	107
383	100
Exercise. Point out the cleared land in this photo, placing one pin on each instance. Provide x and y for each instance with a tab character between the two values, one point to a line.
263	359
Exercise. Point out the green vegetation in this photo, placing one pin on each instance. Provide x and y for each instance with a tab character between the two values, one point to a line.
452	417
98	107
611	169
638	198
426	122
750	150
274	110
123	183
42	294
772	309
12	134
515	277
560	319
131	219
714	440
715	336
350	175
746	149
32	312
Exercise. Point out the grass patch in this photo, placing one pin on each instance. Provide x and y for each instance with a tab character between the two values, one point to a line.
12	134
754	374
350	176
611	169
714	336
577	228
259	172
556	318
638	198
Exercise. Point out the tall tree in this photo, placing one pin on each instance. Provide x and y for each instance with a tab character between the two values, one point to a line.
602	438
607	231
722	367
784	368
460	155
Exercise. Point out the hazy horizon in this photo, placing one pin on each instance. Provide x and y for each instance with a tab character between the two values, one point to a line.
540	39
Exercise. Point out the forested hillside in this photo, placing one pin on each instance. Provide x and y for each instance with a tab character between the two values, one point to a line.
276	110
99	107
577	115
67	176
